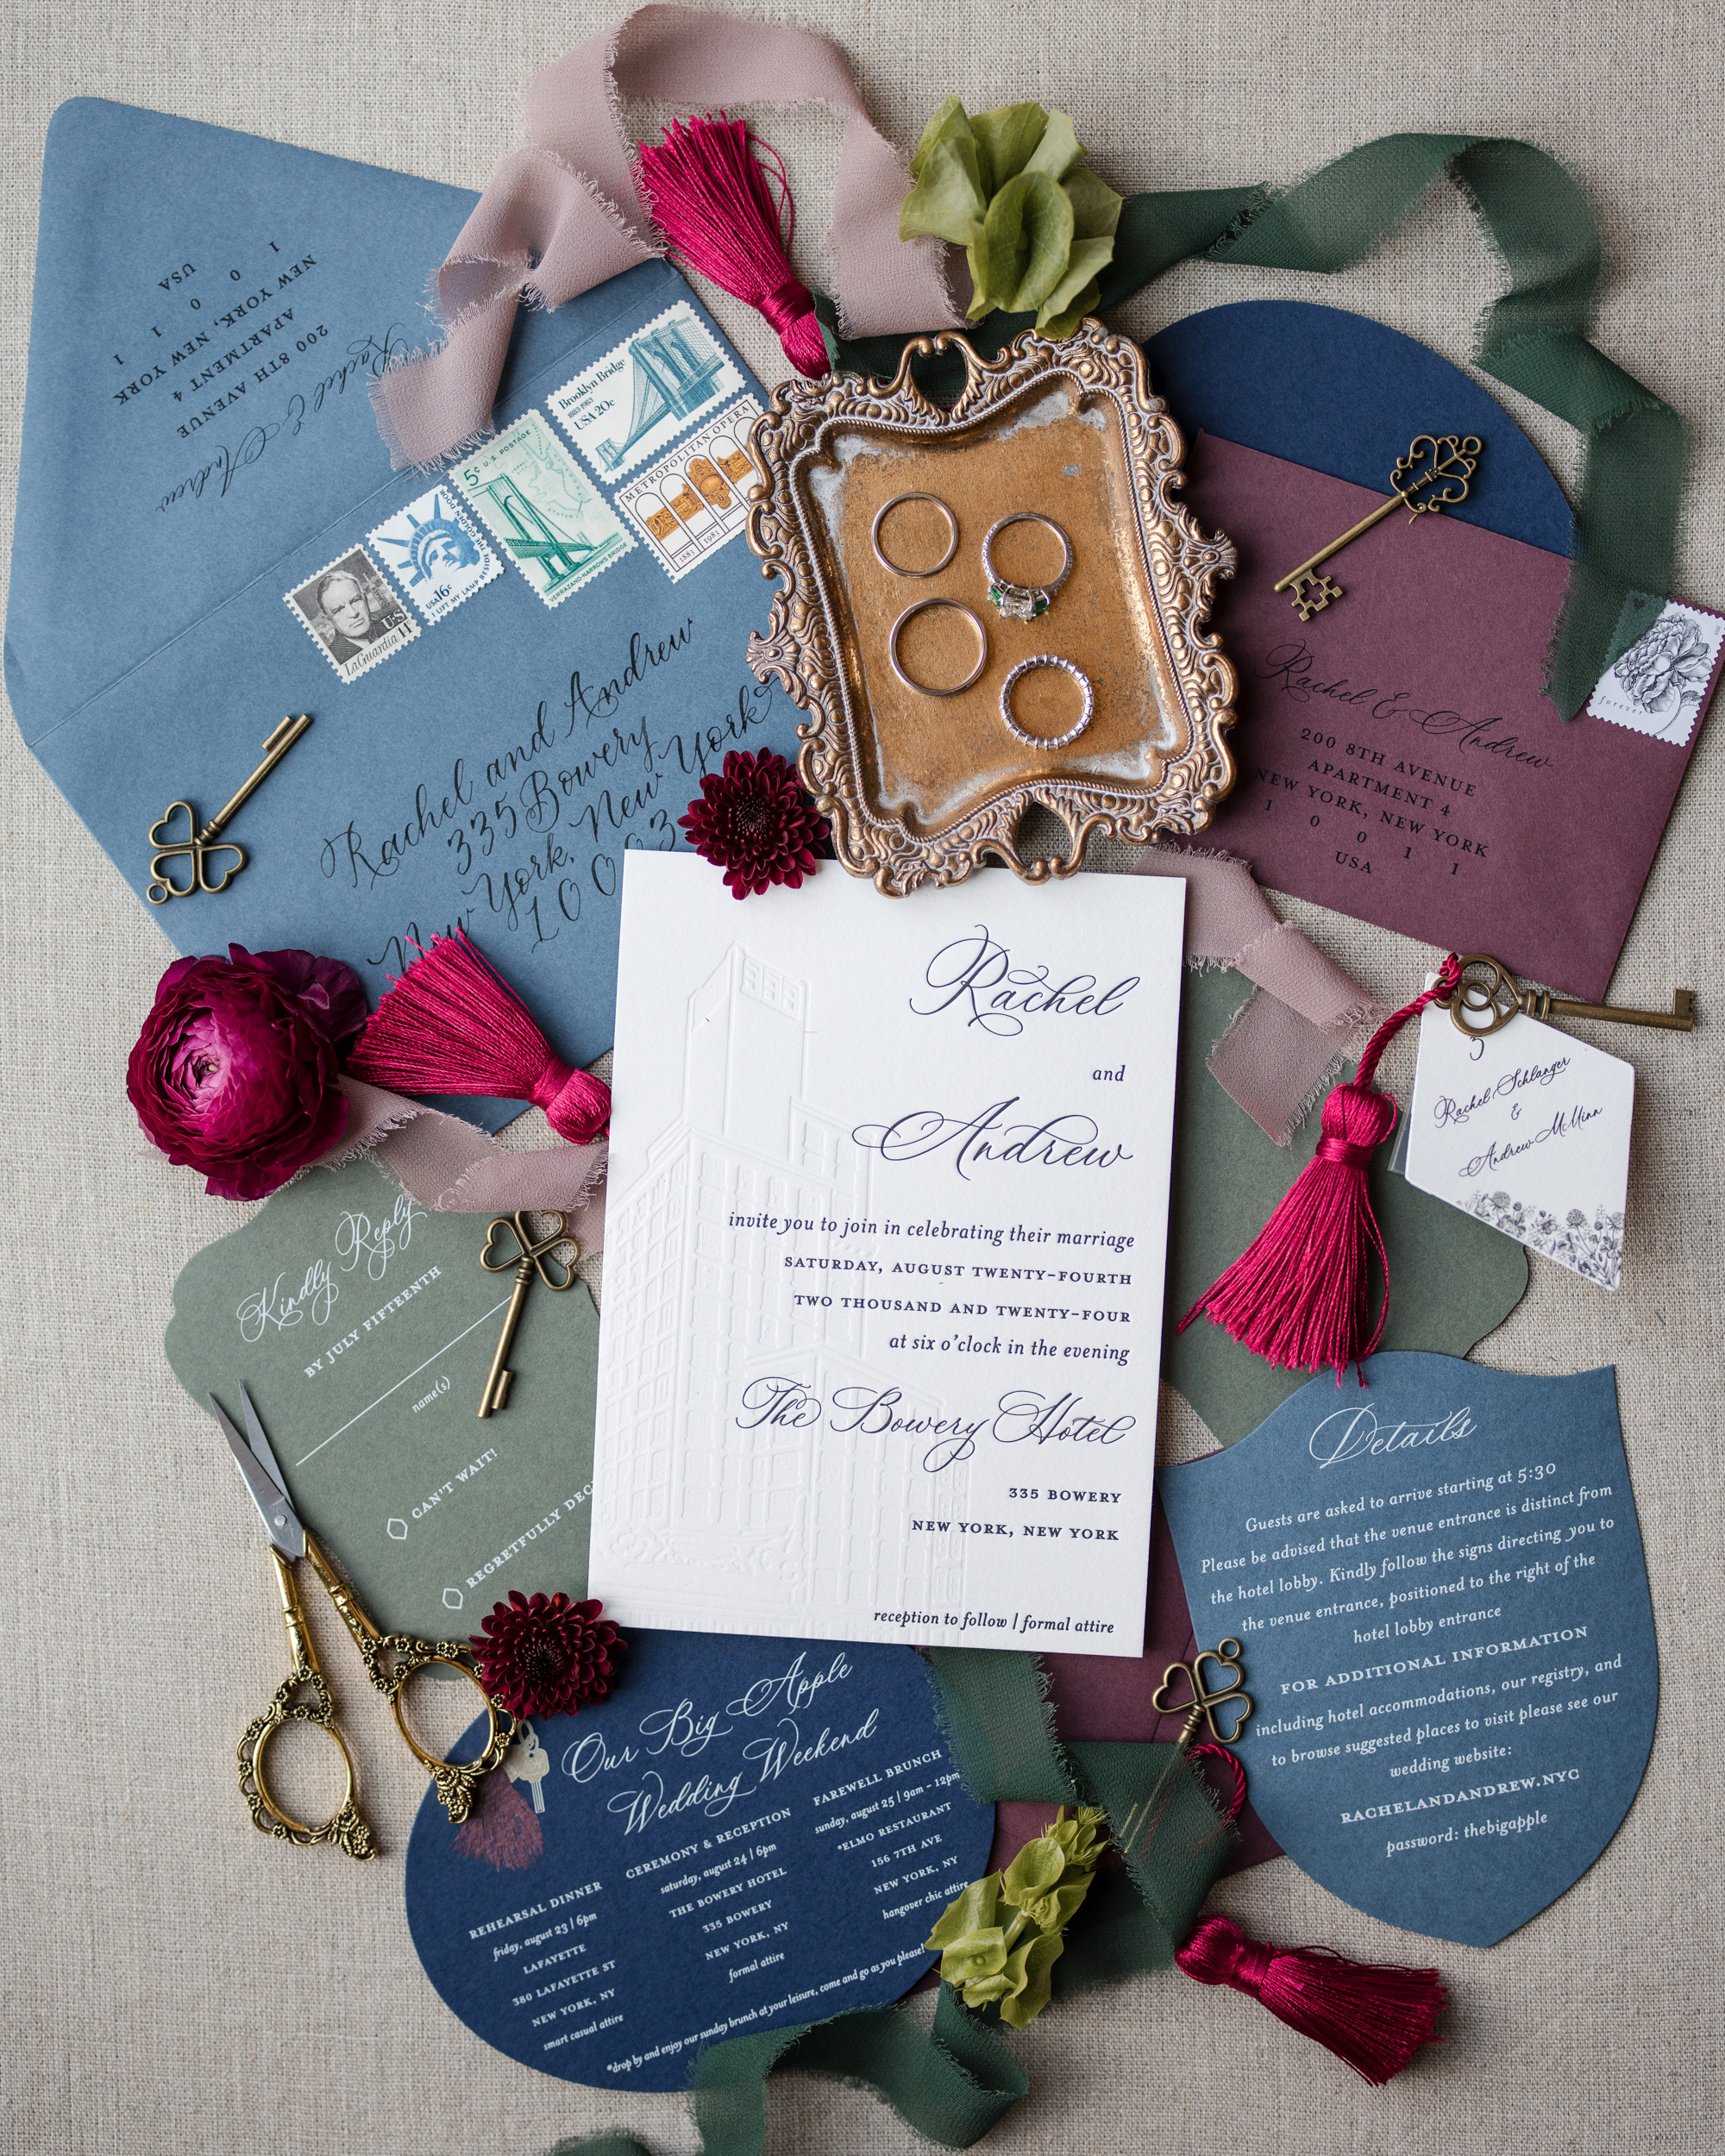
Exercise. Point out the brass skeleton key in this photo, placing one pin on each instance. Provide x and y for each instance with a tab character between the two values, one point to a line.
1450	461
196	847
1488	996
531	1259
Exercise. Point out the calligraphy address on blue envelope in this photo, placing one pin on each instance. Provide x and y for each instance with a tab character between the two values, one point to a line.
1440	1588
747	1835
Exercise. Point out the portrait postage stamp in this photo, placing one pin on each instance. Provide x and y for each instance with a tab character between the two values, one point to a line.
436	557
642	395
691	502
546	514
352	615
1662	684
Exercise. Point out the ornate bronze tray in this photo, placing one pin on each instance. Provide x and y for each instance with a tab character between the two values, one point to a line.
922	783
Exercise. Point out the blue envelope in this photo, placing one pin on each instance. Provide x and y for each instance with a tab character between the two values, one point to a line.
210	309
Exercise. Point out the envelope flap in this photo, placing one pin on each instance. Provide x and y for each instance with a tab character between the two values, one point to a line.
210	311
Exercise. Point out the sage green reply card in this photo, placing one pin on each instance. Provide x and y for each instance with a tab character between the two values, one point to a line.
363	1327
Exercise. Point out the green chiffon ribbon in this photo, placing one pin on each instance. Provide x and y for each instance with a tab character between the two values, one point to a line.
1533	339
954	2079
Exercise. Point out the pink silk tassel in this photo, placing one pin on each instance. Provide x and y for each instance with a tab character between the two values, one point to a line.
1297	1295
715	203
1374	2014
450	1025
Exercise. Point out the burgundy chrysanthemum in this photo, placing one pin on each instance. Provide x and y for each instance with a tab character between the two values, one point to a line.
754	821
547	1656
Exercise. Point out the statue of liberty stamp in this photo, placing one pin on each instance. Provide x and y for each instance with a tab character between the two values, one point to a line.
436	557
642	395
549	517
351	614
691	502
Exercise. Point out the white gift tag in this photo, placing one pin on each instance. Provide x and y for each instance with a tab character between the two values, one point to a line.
1527	1129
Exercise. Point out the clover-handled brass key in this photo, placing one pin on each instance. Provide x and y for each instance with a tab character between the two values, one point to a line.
196	847
1488	996
1199	1707
1445	464
530	1258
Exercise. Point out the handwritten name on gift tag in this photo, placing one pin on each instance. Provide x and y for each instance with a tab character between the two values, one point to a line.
1439	1588
1527	1129
746	1834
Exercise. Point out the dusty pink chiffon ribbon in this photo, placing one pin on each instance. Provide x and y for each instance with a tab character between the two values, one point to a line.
450	1166
1288	1040
562	216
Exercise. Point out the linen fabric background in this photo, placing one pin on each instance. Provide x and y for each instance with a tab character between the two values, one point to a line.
174	1982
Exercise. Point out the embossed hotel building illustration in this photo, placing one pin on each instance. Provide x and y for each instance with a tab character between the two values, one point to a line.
807	1513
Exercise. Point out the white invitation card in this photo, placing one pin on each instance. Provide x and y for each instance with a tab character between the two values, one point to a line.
885	1234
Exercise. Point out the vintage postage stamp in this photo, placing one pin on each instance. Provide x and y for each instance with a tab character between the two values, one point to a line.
1661	685
549	517
437	557
641	396
352	615
691	502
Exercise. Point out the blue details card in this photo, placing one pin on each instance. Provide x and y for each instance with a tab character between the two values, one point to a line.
747	1834
1439	1588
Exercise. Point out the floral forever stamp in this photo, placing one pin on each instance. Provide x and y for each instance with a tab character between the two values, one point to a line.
546	514
1661	685
350	612
1527	1129
642	394
435	554
691	502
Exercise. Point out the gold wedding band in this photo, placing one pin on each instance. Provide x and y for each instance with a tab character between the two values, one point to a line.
880	519
922	688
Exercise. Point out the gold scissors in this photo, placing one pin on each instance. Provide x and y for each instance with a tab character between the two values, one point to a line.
390	1658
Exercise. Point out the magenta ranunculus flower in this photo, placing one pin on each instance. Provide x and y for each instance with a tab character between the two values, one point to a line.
235	1072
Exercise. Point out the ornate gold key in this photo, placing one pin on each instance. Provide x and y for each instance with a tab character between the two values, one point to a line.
194	846
1448	461
532	1258
1488	995
1203	1703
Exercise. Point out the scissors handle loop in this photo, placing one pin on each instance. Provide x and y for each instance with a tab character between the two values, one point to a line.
391	1658
457	1780
345	1827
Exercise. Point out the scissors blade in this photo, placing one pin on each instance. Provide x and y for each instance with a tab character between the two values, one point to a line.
261	1443
280	1521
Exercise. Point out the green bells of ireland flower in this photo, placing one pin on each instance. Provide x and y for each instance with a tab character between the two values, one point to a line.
1000	1939
1008	188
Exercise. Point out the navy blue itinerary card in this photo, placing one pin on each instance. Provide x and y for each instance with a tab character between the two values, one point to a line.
747	1834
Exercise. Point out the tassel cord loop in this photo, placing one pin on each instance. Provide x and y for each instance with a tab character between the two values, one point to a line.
1449	977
